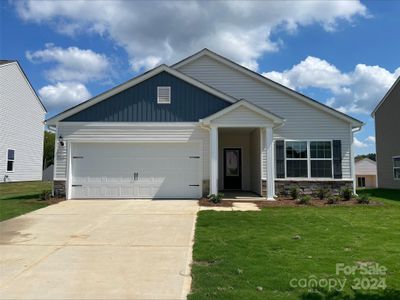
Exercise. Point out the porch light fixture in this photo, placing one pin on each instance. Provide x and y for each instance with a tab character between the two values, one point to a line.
61	141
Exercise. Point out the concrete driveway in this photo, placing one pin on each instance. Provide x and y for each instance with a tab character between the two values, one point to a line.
99	249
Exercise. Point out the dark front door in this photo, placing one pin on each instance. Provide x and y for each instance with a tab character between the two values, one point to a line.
232	169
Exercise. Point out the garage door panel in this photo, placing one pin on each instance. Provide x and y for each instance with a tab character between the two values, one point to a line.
163	170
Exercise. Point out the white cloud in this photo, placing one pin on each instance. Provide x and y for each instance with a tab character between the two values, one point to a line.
368	85
357	92
145	63
359	144
63	94
72	63
313	72
370	139
166	31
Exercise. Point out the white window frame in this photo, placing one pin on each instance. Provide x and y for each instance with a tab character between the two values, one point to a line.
331	159
361	178
159	101
306	159
8	159
309	159
393	158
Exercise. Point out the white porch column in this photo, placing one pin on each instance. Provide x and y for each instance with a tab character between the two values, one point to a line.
214	160
270	163
68	183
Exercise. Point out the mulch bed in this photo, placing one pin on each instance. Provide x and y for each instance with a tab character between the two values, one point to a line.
223	203
314	202
52	200
282	202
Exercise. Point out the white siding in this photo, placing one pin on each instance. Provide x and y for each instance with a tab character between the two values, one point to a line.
365	167
242	116
303	121
126	133
22	127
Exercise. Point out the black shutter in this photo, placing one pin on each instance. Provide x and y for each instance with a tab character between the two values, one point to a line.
280	158
337	159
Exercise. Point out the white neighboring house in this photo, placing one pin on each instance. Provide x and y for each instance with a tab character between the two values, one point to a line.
22	117
366	173
203	125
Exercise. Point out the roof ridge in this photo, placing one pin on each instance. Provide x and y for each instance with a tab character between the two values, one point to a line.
207	51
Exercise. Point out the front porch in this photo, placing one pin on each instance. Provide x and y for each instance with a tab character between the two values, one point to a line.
240	160
241	196
241	150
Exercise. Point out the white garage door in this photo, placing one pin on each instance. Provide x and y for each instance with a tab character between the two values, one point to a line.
131	170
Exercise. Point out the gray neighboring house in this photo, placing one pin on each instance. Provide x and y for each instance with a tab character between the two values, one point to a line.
22	116
200	126
387	131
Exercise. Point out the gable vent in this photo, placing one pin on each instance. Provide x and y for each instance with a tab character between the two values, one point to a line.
163	94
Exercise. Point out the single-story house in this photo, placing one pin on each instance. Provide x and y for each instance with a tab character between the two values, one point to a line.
202	125
386	115
366	173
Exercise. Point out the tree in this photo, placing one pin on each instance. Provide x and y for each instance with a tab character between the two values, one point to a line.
371	156
48	150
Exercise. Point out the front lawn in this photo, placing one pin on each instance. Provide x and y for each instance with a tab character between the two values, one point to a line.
265	255
17	198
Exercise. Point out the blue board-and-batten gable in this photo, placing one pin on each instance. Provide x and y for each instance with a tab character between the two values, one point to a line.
139	103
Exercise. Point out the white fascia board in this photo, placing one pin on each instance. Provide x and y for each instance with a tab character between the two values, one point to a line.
268	115
271	83
163	68
131	124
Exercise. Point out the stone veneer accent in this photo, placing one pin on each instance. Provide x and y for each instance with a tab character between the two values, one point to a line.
308	187
59	188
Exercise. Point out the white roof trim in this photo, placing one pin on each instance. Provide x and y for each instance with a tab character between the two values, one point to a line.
268	115
132	82
366	159
385	97
269	82
27	82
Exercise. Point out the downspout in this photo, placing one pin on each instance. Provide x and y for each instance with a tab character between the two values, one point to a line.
353	163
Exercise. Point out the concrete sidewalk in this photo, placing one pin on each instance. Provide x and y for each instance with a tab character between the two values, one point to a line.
99	249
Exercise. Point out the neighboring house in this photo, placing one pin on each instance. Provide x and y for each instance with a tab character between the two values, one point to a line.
22	125
387	132
200	126
365	173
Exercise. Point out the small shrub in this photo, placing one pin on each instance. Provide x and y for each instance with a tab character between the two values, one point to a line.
45	195
363	199
346	194
294	192
304	199
215	198
322	193
332	199
283	192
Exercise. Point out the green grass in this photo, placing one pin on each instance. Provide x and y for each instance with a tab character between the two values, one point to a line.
17	198
236	252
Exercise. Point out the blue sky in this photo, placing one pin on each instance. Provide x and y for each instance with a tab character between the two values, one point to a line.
341	53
